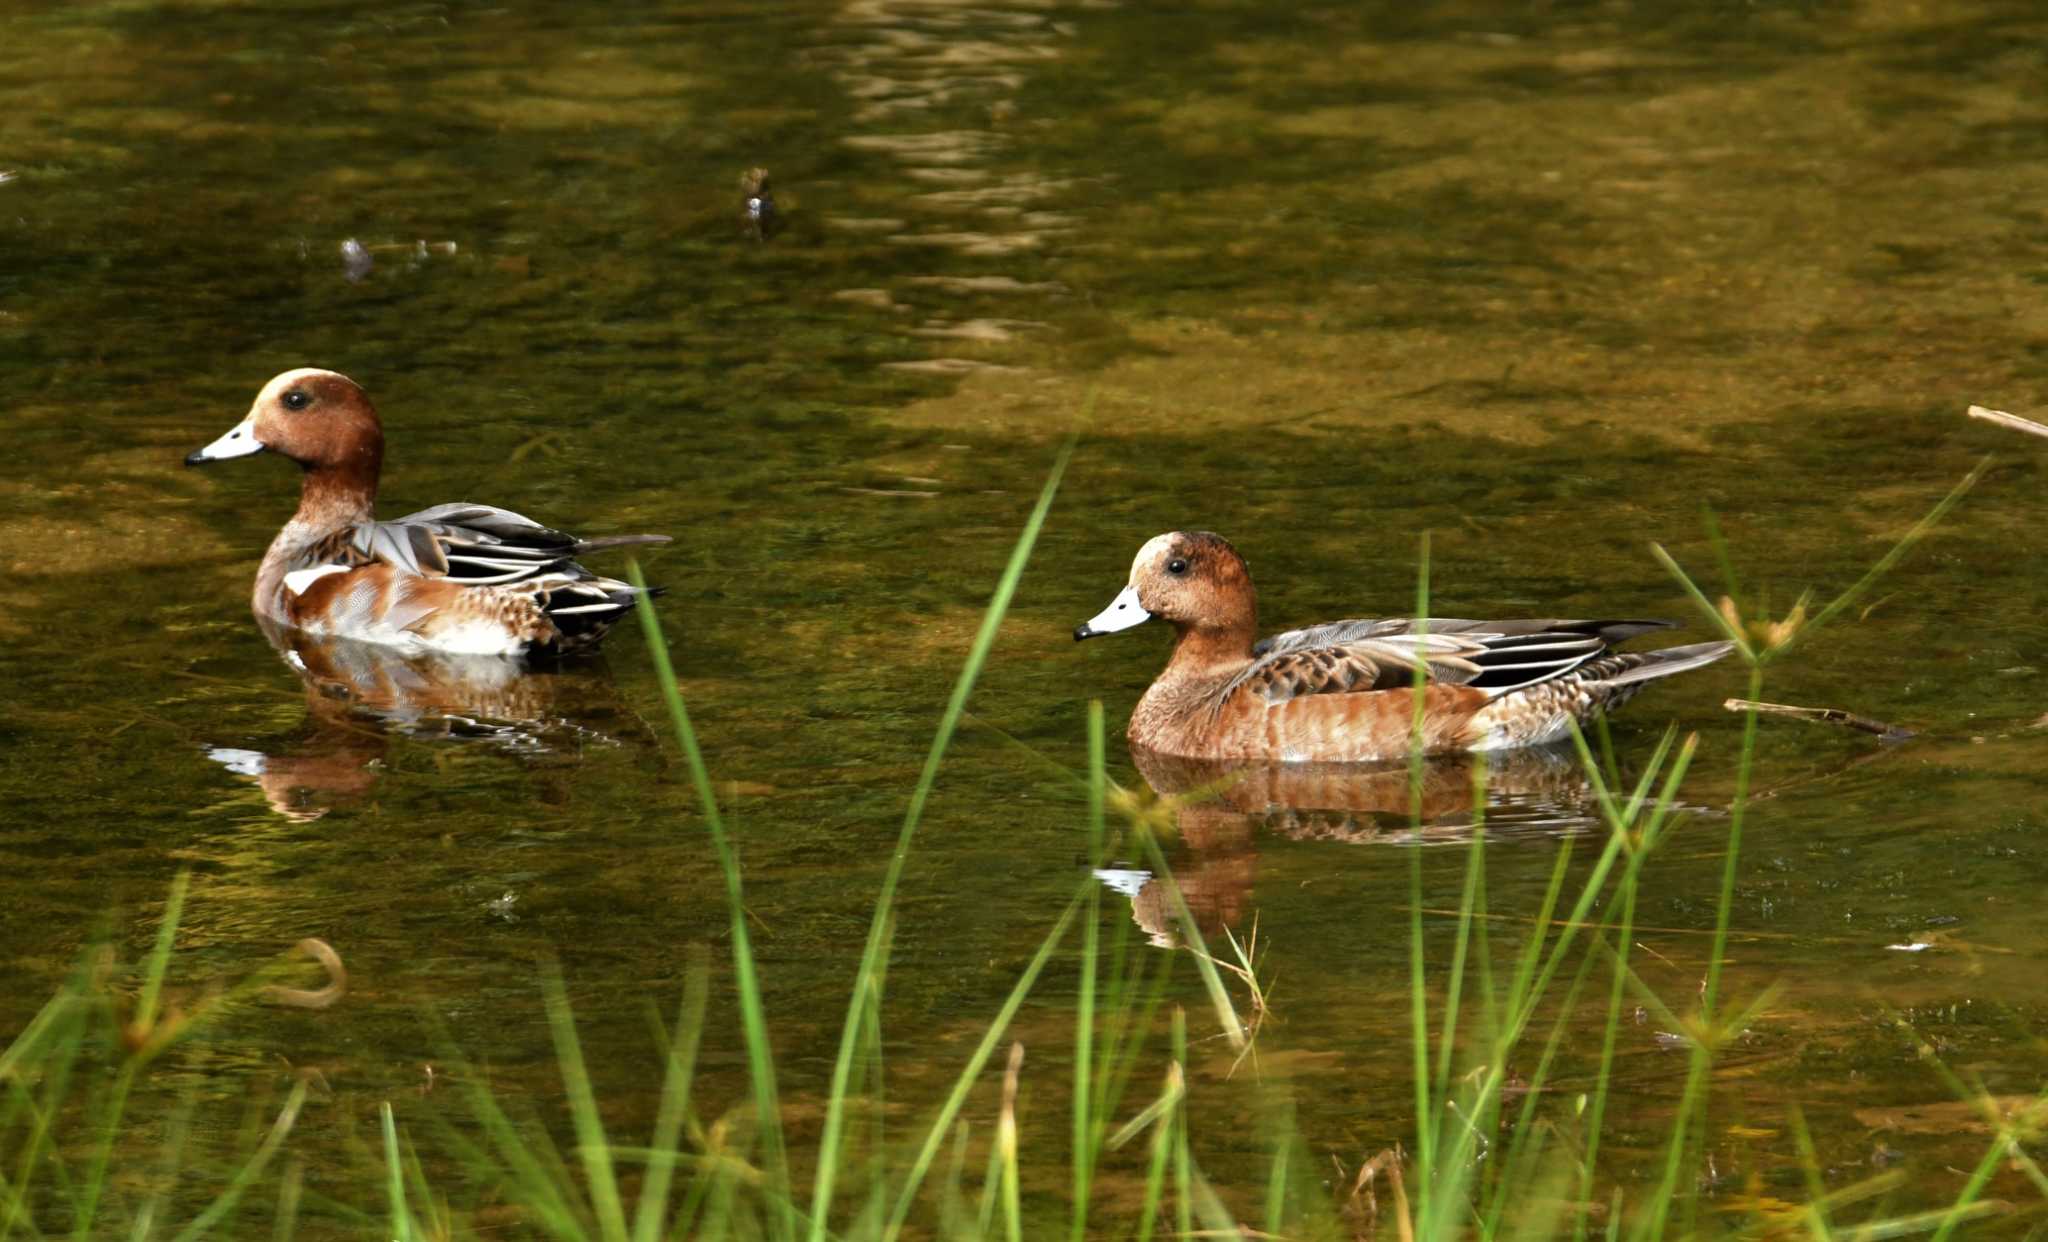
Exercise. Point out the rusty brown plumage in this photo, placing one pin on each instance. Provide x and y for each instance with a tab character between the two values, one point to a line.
1345	692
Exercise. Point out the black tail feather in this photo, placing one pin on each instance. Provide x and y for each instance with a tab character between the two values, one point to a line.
617	541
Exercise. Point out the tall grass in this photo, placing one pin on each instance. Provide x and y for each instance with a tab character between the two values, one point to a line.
1491	1156
67	1083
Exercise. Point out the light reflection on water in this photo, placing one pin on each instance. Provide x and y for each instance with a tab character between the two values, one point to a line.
1543	284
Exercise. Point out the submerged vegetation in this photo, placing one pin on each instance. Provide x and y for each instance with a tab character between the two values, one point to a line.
1499	1148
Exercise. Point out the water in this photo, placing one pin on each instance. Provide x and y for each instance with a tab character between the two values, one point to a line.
1545	284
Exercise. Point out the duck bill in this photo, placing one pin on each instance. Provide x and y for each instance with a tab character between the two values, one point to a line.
1123	612
240	441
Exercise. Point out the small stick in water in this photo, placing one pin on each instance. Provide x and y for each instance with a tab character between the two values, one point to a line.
313	998
1823	715
2013	421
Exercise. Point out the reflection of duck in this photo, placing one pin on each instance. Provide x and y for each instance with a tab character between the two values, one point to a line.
1533	790
359	694
1344	692
416	692
459	578
1530	791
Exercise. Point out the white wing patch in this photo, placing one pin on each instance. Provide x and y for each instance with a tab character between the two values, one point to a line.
299	579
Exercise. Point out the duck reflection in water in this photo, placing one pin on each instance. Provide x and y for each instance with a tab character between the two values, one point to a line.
1532	792
360	695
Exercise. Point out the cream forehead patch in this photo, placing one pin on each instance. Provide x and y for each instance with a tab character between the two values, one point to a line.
280	383
1153	547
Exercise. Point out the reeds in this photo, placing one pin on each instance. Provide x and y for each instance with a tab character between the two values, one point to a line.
1492	1157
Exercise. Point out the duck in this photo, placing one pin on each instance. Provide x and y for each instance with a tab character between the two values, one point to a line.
462	578
1344	692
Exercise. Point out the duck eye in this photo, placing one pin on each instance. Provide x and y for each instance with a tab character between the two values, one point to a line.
1176	566
296	399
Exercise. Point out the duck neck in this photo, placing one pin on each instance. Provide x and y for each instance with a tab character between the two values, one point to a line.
1202	652
338	494
1204	660
332	498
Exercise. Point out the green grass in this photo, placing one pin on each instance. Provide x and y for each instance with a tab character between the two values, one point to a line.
1491	1156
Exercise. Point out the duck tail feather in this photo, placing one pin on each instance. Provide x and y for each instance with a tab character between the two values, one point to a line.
1669	661
617	541
1614	632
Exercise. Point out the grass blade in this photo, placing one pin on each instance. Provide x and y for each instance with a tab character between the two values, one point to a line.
675	1099
591	1146
1084	1017
965	1082
252	1168
760	1055
394	1178
949	723
115	1108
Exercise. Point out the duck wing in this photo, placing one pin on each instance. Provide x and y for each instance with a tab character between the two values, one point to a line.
1351	657
455	547
477	545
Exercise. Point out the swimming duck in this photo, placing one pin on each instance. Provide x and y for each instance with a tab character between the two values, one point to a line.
461	578
1344	692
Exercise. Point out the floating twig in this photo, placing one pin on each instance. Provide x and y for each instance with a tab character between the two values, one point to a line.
313	998
1824	715
358	260
2013	421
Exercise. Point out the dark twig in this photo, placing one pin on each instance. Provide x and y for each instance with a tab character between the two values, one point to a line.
1823	715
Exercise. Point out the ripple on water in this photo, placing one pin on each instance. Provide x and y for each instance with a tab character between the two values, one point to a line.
917	70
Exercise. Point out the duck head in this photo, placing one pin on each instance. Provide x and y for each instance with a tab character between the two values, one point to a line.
319	419
1191	578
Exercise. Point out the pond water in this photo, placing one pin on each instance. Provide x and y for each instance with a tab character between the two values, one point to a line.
1544	282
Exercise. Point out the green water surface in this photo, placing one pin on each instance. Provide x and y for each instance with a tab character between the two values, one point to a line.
1545	282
